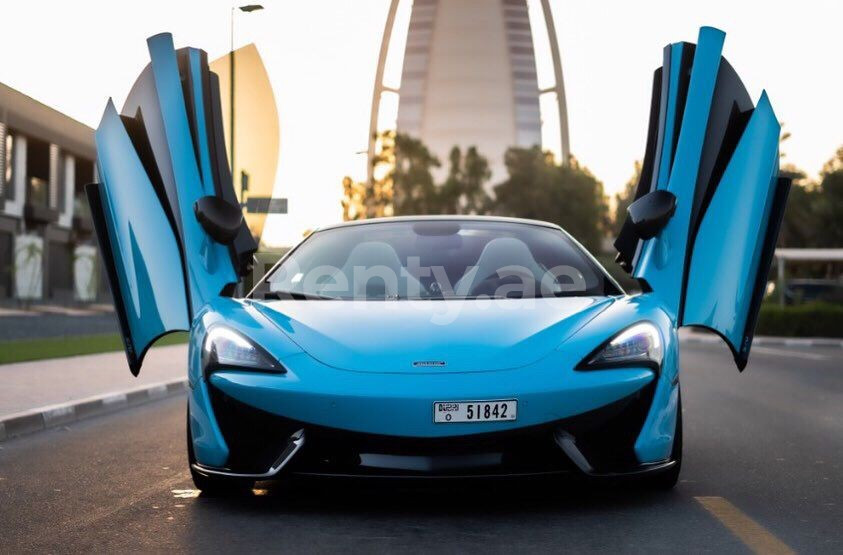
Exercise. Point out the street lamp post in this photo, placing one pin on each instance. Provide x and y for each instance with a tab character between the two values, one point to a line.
247	9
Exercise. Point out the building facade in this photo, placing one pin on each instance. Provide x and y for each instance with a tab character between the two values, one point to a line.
47	249
469	78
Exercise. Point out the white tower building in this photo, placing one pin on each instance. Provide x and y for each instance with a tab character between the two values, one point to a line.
469	78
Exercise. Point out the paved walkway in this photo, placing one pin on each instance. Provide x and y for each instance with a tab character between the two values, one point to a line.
29	385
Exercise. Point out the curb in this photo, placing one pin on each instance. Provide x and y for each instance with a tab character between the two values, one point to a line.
767	340
42	418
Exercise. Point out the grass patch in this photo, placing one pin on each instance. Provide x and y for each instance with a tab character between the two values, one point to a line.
20	350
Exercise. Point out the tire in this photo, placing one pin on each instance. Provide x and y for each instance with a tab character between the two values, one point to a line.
667	479
213	486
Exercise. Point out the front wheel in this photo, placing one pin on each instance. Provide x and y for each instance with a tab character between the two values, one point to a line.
213	485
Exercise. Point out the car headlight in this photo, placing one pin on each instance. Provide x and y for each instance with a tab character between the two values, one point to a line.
225	348
638	344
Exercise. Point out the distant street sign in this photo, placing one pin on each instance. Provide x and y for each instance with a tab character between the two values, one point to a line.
266	205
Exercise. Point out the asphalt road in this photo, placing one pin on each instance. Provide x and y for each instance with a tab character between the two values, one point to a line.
762	470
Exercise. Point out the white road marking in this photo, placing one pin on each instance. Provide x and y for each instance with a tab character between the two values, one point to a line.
788	353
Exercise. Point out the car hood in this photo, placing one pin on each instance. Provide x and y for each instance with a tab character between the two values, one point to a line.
431	336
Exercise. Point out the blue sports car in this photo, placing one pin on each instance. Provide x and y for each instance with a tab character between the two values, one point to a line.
437	346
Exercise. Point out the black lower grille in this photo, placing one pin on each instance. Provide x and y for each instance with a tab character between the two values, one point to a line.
255	438
606	436
530	451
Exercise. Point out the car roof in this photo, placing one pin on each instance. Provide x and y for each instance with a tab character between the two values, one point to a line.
456	217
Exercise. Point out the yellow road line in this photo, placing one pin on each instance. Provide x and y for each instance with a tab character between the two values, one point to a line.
753	535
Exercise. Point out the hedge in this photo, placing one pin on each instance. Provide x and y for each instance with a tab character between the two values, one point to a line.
805	320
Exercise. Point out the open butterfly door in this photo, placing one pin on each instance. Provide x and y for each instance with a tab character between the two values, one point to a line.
169	226
702	230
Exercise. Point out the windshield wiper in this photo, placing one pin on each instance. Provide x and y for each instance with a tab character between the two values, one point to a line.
296	296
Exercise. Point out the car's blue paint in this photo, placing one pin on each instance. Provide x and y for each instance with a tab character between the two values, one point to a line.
208	442
662	258
468	335
402	405
209	265
399	401
656	438
727	251
144	248
668	128
349	363
655	441
145	245
205	162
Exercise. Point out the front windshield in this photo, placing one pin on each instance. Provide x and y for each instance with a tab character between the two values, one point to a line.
436	260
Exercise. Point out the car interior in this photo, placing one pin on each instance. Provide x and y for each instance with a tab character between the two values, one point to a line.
436	260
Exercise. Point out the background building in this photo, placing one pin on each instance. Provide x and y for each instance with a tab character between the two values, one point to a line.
47	249
469	78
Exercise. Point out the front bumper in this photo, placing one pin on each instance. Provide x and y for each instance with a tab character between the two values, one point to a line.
598	442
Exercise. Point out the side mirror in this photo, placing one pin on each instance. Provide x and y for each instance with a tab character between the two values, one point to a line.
651	212
221	219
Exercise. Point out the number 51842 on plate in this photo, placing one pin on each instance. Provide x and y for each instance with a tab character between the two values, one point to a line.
448	412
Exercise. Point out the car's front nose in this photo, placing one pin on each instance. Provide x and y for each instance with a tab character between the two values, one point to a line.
377	423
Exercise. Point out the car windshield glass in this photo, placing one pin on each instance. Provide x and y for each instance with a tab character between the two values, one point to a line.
436	260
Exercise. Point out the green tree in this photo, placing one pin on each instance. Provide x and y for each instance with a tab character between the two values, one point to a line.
463	191
624	198
373	198
540	189
414	191
799	227
814	213
829	205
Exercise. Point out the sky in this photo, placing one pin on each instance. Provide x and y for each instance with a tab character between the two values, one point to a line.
321	57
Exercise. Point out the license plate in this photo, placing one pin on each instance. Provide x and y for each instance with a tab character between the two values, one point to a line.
448	412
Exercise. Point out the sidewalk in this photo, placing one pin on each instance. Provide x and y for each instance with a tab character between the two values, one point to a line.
39	394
